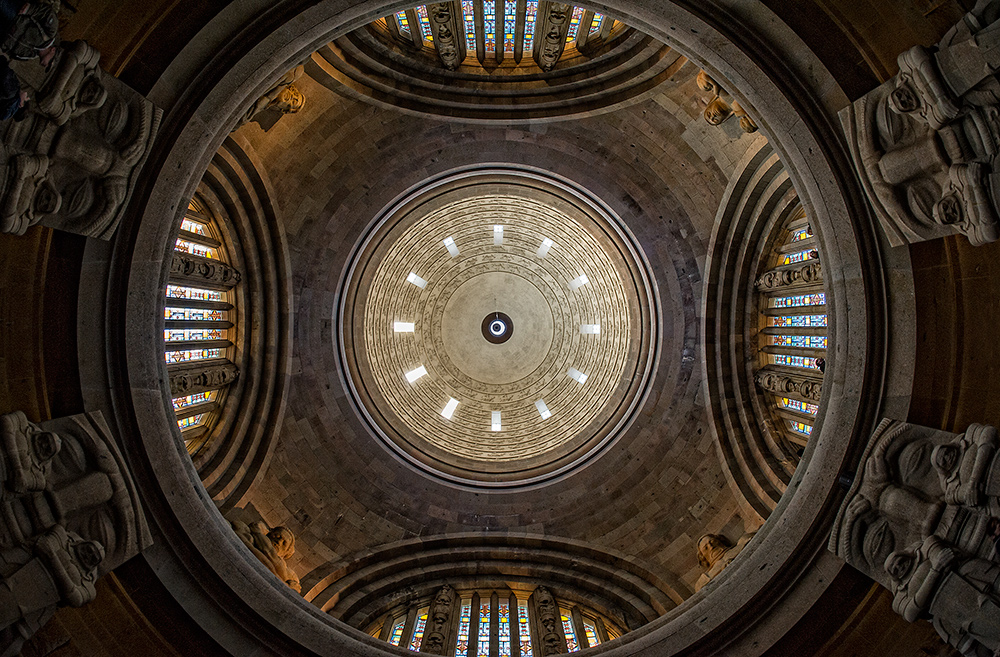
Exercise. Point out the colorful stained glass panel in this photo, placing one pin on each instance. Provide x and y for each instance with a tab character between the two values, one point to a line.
418	629
490	24
801	341
529	23
199	314
799	256
193	421
404	27
504	634
595	25
483	643
192	226
192	400
574	24
509	21
181	292
195	249
571	643
801	428
591	631
524	630
799	300
397	632
800	406
186	335
191	354
464	623
425	23
794	361
802	321
800	234
468	13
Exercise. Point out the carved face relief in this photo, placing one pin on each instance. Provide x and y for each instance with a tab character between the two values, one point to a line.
899	565
44	446
878	542
291	100
904	98
434	642
711	548
47	199
718	111
283	540
945	458
949	210
706	83
89	554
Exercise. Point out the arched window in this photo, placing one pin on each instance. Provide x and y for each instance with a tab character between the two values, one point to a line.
200	325
473	621
792	333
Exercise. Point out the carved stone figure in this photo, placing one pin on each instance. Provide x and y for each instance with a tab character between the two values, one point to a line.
548	621
444	26
715	552
271	547
69	513
926	141
197	379
921	519
71	164
282	98
437	621
721	106
785	384
810	272
200	270
554	24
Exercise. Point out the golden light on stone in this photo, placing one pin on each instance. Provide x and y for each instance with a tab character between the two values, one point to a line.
507	321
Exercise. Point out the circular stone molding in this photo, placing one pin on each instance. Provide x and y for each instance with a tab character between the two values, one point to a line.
473	255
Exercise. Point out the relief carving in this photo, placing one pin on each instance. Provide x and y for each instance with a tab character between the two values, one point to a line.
194	380
926	141
715	552
444	26
785	384
203	270
272	547
437	621
811	272
921	519
68	514
71	163
554	24
548	621
721	106
281	99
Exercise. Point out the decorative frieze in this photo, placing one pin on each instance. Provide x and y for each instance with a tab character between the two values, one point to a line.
73	161
448	33
201	271
776	279
922	519
552	26
68	515
925	142
786	384
192	380
722	106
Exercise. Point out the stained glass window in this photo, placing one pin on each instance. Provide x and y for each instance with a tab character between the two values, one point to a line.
193	421
799	256
595	25
799	300
192	400
803	321
185	335
800	234
195	249
199	314
529	23
182	292
483	644
574	24
504	634
397	632
418	629
801	428
794	361
194	227
470	25
404	27
490	24
571	642
509	21
591	631
524	630
464	623
799	406
188	355
425	23
801	341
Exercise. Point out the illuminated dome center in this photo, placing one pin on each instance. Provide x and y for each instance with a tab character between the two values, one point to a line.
430	342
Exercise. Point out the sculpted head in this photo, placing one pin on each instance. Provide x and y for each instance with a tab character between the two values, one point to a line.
291	100
89	554
898	565
284	541
718	111
44	446
706	83
711	548
904	98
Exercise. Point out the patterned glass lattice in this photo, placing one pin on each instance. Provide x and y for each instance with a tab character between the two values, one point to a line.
595	25
464	623
193	421
181	292
509	21
524	630
193	335
189	355
800	406
404	26
800	234
490	24
794	361
591	631
397	632
483	643
574	24
504	634
800	256
799	300
529	23
198	314
192	226
801	428
418	630
801	321
195	249
469	14
193	400
425	23
571	643
801	341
